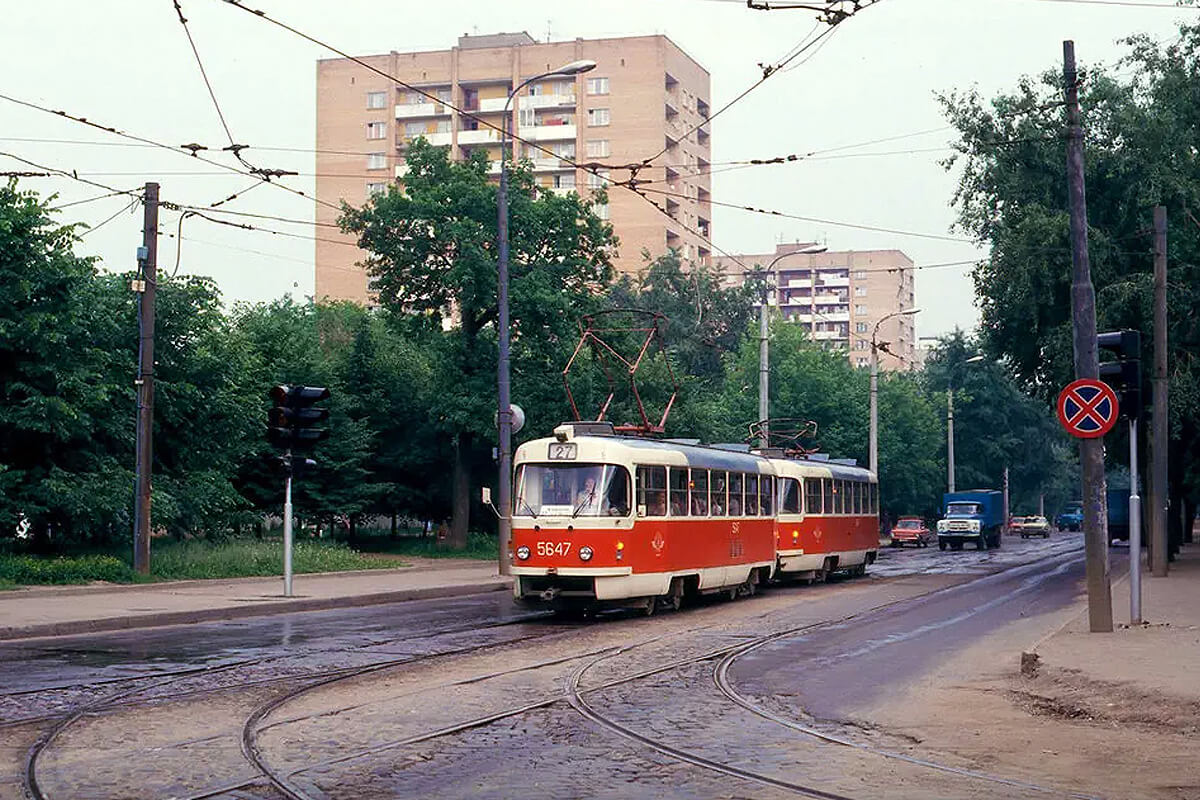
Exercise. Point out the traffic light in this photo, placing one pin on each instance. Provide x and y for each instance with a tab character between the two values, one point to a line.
1125	374
291	421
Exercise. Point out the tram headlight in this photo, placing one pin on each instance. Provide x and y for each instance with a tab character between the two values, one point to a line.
523	552
585	554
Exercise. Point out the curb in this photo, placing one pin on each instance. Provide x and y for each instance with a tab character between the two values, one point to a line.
265	608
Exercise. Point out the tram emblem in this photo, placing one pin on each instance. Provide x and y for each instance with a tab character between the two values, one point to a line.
658	543
817	534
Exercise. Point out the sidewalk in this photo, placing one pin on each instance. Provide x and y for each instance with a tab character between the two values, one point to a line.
1158	657
58	611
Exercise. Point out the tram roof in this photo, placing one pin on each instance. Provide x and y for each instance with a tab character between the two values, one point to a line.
657	451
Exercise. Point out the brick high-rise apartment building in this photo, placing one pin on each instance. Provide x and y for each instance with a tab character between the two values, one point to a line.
645	94
839	296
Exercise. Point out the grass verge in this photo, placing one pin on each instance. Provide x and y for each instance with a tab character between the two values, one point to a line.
238	558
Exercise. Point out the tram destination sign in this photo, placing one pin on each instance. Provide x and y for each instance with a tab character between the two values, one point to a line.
1087	408
562	451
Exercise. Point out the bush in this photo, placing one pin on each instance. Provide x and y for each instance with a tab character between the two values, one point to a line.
66	569
481	546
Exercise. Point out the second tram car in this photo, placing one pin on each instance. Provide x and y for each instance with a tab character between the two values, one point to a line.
600	519
828	518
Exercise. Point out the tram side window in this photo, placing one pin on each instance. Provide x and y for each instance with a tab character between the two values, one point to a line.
812	495
789	496
827	490
735	494
678	478
718	501
874	498
766	495
750	507
864	498
855	497
652	491
839	501
699	492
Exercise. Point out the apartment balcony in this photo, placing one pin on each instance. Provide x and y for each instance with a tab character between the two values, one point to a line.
561	191
828	336
792	316
401	171
835	316
829	300
837	283
547	101
548	133
418	110
440	139
481	136
491	104
796	283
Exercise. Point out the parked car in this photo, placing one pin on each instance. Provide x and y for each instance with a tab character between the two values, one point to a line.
1031	526
911	530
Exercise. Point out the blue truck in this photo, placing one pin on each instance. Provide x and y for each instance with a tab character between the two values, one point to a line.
972	516
1071	517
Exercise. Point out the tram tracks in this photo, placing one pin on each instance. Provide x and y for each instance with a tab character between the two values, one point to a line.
575	693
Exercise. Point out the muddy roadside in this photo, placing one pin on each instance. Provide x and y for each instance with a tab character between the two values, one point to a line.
1042	700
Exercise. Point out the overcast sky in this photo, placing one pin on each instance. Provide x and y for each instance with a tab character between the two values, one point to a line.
127	64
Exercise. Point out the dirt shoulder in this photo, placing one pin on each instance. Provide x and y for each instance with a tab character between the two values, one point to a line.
1112	715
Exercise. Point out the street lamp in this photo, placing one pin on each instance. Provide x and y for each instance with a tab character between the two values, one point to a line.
764	411
875	384
950	421
503	379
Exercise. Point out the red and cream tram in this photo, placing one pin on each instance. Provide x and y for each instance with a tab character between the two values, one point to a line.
607	520
600	519
828	518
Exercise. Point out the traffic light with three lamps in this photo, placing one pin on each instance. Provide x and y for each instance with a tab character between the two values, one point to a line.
1125	374
292	421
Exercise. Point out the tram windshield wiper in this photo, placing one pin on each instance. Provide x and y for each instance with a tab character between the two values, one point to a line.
587	499
523	502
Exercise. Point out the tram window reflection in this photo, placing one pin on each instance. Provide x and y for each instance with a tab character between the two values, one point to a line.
718	499
678	479
652	491
699	492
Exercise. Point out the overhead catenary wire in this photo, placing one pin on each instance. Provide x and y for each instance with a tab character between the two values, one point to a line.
203	73
181	150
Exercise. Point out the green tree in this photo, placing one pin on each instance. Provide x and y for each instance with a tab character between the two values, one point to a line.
431	246
65	413
1012	196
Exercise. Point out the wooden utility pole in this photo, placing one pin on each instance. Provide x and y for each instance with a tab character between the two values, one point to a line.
1087	363
146	284
1158	485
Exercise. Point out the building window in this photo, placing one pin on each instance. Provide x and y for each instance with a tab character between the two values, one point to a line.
527	117
860	309
862	362
860	274
565	150
597	179
376	99
376	160
374	189
565	180
860	327
414	128
376	130
597	117
860	291
860	344
597	86
601	211
598	148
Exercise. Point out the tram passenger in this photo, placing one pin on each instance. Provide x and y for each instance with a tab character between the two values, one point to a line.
735	506
718	497
699	506
656	505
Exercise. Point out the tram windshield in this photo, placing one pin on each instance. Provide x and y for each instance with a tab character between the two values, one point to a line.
575	490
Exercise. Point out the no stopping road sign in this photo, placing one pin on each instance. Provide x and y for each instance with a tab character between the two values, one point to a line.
1087	408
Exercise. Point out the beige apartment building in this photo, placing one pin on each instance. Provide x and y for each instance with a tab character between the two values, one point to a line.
645	94
840	296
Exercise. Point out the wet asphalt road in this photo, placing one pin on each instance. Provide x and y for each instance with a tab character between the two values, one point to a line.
826	672
34	664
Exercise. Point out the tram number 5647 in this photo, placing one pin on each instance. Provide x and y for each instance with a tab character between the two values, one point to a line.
553	548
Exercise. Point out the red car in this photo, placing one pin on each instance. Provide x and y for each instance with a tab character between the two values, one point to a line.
911	530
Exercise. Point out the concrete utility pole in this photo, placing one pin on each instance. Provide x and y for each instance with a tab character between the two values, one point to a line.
873	437
1007	511
950	440
146	283
1087	363
1158	420
764	372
